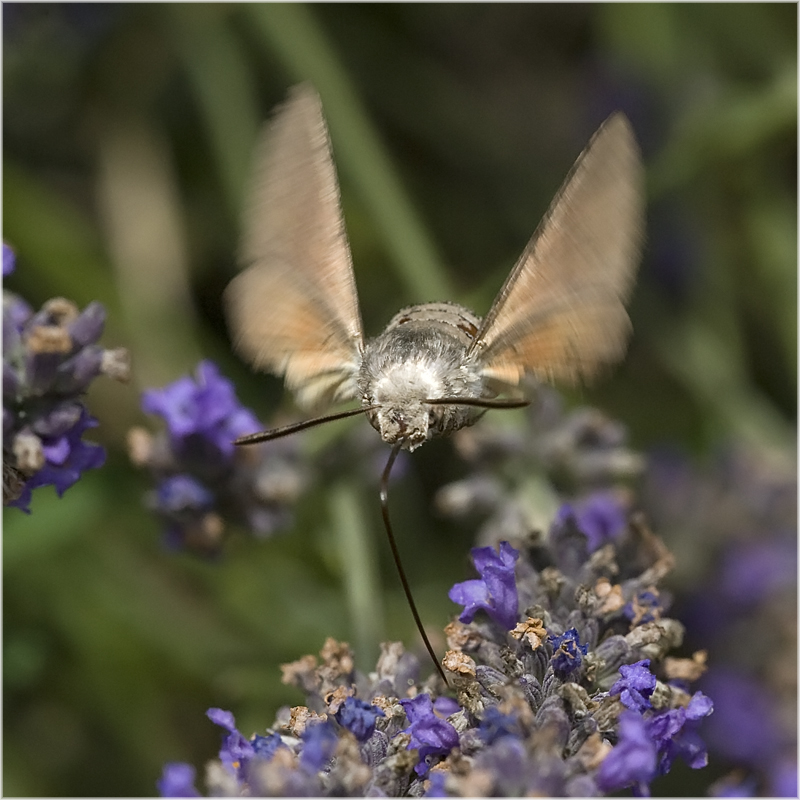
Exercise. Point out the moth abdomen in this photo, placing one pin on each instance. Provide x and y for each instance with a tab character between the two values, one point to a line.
449	317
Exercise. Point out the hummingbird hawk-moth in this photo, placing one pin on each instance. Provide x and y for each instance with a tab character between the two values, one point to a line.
560	316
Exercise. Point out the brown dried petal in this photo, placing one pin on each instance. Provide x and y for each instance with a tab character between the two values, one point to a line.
593	751
300	719
461	636
61	310
299	673
459	663
48	339
337	656
532	630
609	597
687	669
335	699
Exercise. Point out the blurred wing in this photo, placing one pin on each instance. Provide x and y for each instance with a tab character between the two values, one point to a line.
560	314
294	309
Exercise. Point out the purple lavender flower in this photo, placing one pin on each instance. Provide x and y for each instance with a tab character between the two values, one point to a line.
635	686
49	360
646	607
358	717
182	492
567	652
206	408
675	733
319	744
264	747
235	751
496	590
66	458
600	518
445	706
632	761
203	479
430	735
9	260
177	780
532	717
495	725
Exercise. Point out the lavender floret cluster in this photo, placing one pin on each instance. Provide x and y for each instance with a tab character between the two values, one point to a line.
205	482
554	688
735	522
50	357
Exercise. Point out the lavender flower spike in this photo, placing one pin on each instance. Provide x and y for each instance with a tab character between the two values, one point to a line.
203	480
496	590
49	360
532	715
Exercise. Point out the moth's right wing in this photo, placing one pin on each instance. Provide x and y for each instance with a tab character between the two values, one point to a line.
294	309
561	312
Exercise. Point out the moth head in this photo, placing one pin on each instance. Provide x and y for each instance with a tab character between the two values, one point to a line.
410	422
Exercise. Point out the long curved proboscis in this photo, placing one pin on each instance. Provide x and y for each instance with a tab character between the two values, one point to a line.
396	554
287	430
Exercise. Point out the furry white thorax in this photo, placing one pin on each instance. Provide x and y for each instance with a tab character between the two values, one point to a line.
422	355
409	380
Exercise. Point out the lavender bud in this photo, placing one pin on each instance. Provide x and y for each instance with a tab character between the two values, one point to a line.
16	313
75	374
60	419
88	326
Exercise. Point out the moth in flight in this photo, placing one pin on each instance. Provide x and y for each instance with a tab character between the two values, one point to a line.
559	317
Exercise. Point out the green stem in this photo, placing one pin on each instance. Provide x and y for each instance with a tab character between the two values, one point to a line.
359	570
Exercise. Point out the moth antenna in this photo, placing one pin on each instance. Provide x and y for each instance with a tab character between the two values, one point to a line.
478	402
400	571
287	430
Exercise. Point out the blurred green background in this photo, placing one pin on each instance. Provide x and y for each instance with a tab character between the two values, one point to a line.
127	135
